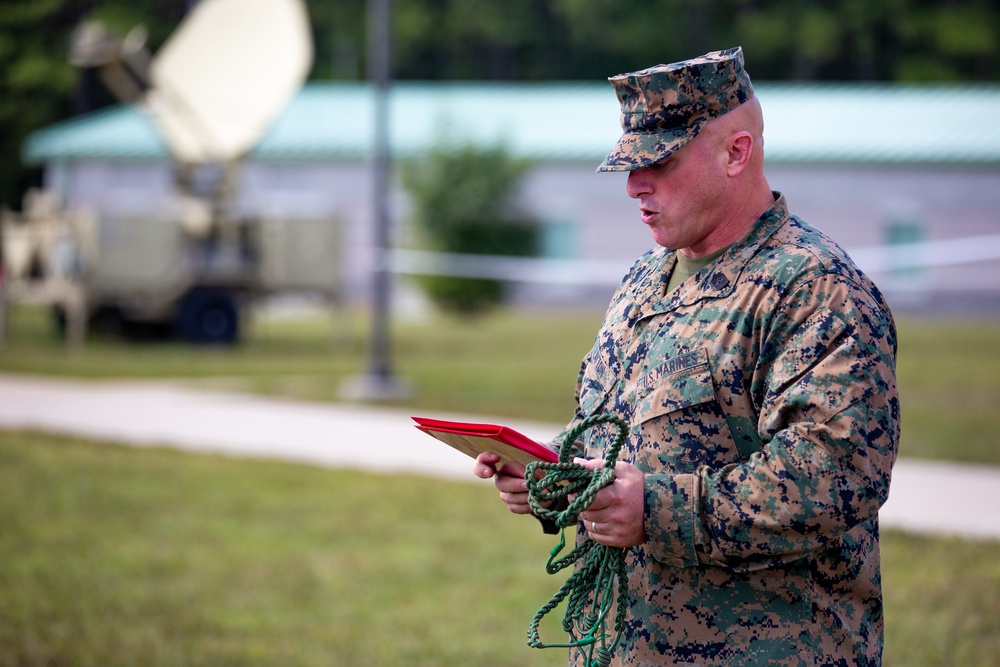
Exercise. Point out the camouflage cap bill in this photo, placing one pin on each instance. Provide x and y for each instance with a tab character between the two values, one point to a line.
664	107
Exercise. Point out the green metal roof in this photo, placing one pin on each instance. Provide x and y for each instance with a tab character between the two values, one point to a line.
832	123
879	123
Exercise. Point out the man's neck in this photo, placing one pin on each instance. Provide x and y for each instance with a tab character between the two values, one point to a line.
737	223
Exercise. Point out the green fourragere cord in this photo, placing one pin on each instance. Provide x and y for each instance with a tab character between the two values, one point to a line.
600	582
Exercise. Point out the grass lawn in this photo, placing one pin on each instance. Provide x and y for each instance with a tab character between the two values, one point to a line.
118	556
121	556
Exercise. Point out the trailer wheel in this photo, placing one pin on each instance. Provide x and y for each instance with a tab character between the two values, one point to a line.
209	316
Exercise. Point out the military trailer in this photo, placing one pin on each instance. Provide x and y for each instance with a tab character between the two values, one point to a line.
184	272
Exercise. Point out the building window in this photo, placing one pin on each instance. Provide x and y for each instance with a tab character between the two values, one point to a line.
906	273
558	239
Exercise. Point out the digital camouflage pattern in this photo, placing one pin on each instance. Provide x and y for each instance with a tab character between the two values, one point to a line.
664	107
762	399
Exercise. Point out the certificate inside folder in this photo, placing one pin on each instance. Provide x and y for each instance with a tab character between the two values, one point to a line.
473	438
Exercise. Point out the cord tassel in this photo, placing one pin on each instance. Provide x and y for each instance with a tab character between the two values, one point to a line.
600	582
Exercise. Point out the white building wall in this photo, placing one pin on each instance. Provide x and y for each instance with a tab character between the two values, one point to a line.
852	204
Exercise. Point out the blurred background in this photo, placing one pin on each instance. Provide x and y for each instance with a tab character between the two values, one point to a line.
279	197
881	130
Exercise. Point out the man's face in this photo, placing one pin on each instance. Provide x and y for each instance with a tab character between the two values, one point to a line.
682	199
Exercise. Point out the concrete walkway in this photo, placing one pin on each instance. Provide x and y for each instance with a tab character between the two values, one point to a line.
931	497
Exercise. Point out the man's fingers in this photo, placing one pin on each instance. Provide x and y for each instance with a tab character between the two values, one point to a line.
511	484
486	465
516	502
589	464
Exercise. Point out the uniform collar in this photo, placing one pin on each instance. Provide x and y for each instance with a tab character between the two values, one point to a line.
716	280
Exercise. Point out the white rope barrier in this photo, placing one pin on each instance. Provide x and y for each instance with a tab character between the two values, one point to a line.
872	259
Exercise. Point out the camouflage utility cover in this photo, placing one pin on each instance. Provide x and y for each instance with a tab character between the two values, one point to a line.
664	107
762	399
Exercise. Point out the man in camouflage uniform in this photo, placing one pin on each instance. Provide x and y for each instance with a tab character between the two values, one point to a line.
755	364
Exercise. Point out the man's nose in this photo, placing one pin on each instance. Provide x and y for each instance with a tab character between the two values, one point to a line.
638	183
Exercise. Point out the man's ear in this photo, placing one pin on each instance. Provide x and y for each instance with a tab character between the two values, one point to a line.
741	147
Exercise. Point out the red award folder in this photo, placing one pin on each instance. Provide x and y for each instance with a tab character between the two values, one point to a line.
473	438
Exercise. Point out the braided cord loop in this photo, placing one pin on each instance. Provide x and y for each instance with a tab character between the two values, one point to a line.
600	580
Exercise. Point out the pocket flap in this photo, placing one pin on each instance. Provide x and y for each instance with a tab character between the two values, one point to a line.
675	384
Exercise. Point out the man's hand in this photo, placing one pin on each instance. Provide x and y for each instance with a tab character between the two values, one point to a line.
509	481
618	510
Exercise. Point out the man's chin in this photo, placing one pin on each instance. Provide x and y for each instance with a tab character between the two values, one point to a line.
661	239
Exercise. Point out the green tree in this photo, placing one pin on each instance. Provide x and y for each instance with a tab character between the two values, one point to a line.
36	83
39	86
465	201
632	34
851	40
339	39
477	39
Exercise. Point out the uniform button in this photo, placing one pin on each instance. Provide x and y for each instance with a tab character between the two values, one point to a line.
719	281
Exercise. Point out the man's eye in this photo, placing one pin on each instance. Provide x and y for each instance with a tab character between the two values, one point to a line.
664	166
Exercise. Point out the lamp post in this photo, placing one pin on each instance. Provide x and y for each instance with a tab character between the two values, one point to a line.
379	383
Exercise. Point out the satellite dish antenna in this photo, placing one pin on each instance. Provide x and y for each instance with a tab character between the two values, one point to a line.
226	73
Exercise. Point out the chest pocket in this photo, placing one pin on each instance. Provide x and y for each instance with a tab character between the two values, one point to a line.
679	419
675	384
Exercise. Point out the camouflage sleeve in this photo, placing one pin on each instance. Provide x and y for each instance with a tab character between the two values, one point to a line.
825	391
